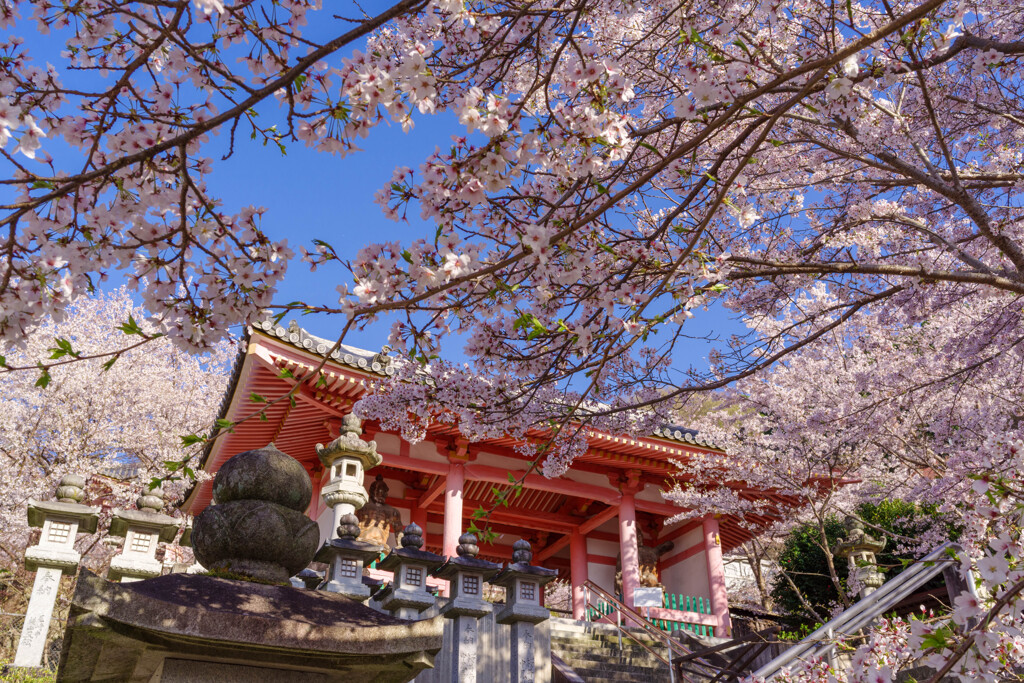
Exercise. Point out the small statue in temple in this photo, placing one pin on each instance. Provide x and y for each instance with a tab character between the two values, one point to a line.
648	560
377	518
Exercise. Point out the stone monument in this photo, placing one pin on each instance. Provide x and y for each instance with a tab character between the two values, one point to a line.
53	556
466	575
524	588
377	518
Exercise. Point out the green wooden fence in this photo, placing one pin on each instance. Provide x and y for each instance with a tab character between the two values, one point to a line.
683	603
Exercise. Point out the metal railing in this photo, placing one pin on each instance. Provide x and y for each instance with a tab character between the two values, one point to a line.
822	642
633	619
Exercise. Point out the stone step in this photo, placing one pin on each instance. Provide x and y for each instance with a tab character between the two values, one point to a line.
611	647
613	676
610	639
640	657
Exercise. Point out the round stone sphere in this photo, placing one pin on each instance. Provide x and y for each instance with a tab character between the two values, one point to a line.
264	474
256	538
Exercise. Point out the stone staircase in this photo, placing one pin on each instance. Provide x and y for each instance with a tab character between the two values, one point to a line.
592	652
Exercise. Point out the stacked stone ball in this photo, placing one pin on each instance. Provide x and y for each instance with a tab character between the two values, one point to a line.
258	528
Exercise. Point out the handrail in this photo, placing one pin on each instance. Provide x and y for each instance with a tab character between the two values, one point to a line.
590	586
675	648
638	619
822	641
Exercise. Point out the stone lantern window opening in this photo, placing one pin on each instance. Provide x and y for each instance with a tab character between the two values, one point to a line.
470	585
348	569
528	591
414	576
139	543
60	532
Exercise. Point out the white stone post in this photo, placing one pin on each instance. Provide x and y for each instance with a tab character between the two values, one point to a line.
142	530
466	575
524	586
54	555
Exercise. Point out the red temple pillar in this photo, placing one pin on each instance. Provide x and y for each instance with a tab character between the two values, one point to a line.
716	576
579	572
453	508
628	548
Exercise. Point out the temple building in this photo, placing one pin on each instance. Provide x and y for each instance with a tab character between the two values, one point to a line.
605	520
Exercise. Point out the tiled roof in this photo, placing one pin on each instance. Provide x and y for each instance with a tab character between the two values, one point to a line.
379	364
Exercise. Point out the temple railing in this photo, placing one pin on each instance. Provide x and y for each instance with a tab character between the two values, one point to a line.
680	613
629	622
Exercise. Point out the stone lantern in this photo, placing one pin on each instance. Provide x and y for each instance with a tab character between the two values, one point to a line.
466	576
347	458
859	550
408	594
346	556
524	586
61	521
142	530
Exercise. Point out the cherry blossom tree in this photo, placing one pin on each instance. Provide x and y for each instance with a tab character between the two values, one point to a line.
117	426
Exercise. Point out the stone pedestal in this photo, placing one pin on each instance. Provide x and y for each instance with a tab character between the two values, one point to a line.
54	555
182	628
466	575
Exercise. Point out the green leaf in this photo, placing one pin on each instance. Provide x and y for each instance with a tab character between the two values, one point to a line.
286	374
191	439
110	363
62	349
3	362
224	424
172	465
130	327
263	416
256	398
44	377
